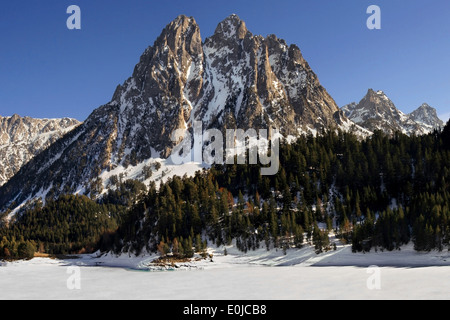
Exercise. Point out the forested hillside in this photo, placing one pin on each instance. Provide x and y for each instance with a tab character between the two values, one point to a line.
376	194
71	224
382	192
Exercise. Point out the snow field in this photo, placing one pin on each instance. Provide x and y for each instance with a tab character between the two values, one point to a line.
258	275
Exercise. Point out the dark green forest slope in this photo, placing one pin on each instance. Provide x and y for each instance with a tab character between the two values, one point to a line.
379	193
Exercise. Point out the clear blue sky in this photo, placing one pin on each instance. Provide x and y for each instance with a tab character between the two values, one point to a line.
49	71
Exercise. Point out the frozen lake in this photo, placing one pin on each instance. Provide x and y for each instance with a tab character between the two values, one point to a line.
257	276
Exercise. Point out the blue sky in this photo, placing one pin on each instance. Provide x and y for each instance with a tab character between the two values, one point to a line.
48	71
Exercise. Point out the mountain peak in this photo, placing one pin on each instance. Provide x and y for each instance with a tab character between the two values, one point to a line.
427	115
181	20
232	27
376	111
373	93
379	98
426	106
231	80
180	24
181	30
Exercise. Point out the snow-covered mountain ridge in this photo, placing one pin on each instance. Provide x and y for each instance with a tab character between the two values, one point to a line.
233	79
21	138
377	112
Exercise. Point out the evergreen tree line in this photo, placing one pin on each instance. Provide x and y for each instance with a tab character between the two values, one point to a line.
12	249
381	193
71	224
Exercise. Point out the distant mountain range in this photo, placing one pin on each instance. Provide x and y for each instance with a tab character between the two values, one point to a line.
377	112
21	138
233	79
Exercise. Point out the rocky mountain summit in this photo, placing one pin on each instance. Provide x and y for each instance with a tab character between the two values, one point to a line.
21	138
427	117
233	79
377	112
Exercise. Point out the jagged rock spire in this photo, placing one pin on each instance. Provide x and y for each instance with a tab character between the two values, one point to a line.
232	27
233	79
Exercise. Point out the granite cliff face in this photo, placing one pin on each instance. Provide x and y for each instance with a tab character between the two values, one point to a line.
21	138
427	116
377	112
233	79
256	82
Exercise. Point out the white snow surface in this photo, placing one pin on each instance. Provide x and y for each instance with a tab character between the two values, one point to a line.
257	275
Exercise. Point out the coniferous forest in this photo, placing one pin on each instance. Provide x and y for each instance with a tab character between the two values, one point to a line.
375	194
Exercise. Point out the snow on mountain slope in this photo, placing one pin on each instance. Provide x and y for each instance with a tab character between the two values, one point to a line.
427	116
377	112
21	138
233	79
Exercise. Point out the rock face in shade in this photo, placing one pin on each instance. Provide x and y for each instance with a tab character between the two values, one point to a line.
427	117
377	112
233	79
255	82
21	138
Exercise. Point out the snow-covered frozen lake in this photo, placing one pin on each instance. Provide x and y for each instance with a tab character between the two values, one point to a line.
257	276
